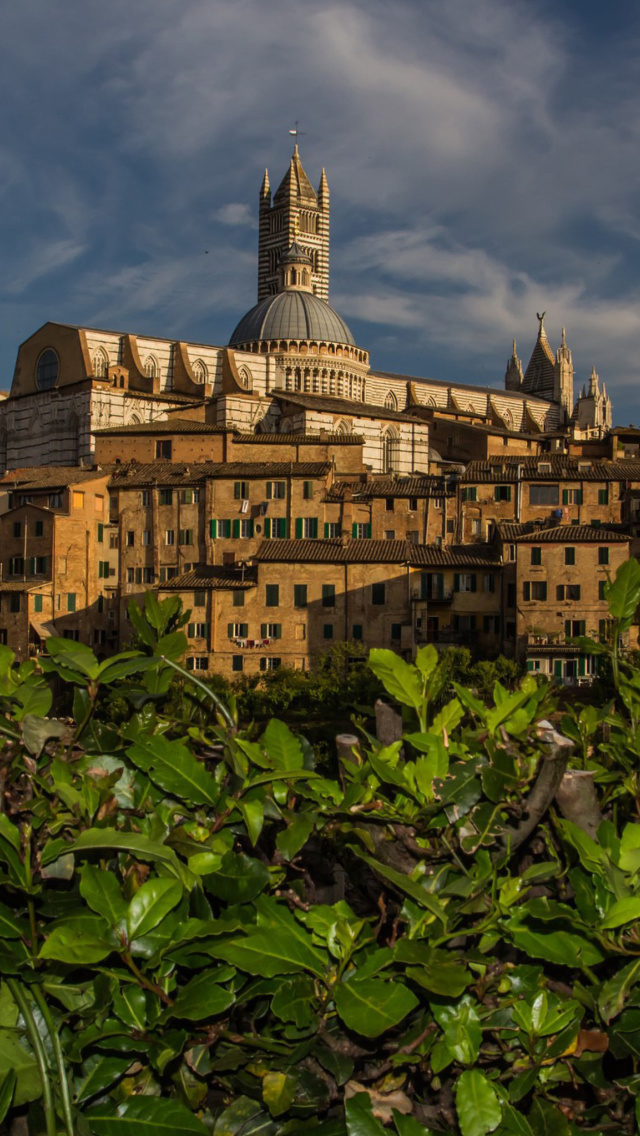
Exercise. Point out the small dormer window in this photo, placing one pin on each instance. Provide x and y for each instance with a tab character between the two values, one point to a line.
47	369
544	467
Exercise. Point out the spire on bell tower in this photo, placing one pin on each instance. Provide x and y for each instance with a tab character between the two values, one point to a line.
513	374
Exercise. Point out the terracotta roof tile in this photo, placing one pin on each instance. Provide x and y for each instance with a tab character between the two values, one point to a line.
211	578
420	486
299	439
454	556
562	534
51	477
168	473
549	467
376	552
165	426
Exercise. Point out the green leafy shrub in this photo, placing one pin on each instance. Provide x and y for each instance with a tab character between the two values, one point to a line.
202	930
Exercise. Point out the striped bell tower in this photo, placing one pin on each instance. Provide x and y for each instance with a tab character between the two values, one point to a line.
296	214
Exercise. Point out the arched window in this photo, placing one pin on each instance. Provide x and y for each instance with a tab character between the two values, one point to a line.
47	369
391	401
390	451
100	363
246	380
150	367
342	427
199	371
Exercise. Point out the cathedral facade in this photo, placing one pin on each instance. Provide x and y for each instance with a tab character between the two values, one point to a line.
291	366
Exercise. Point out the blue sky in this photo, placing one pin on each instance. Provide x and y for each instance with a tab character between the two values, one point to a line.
483	158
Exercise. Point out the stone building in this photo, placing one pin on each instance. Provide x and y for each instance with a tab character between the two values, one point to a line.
295	496
291	365
58	561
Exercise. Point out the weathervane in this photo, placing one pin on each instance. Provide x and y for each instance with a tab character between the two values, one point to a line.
297	133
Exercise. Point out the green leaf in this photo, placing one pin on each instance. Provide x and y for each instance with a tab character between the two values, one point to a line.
10	926
401	680
102	892
460	1024
253	816
150	904
615	991
83	940
14	1059
566	948
239	878
547	1120
409	1126
270	951
623	595
372	1006
98	1074
477	1104
278	1092
410	887
7	1086
282	746
622	911
293	1001
201	998
174	768
130	1004
237	1117
359	1116
295	836
94	839
514	1123
144	1116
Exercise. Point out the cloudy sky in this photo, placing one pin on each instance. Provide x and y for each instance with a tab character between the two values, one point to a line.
483	158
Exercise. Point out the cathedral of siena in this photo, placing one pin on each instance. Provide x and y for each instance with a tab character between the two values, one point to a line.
291	366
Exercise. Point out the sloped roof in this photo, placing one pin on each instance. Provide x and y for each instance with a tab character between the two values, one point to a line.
539	377
560	534
333	551
423	486
295	183
549	467
334	405
377	552
211	578
299	439
166	426
454	556
51	477
182	473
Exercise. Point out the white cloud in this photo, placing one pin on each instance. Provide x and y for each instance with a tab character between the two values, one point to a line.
236	213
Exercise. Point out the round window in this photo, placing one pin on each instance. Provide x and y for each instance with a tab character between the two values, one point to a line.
47	370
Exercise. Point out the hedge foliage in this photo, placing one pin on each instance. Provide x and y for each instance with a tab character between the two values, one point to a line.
208	930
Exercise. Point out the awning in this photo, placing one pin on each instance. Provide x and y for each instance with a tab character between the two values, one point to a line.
43	630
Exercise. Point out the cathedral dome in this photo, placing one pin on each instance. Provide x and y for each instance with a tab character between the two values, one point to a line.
292	314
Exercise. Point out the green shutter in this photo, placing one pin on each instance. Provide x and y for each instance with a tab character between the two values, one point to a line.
557	668
251	528
579	497
354	531
567	628
263	631
213	528
298	528
314	527
456	581
278	634
236	490
368	532
473	582
440	585
529	664
191	630
267	527
583	627
565	496
581	665
236	527
100	533
326	530
230	631
472	622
